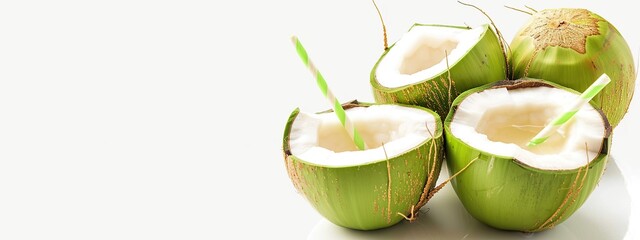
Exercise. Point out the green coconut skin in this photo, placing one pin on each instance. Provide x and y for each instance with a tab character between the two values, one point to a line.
356	197
484	63
580	59
507	194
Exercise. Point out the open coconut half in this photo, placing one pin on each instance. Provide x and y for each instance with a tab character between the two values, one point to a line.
366	189
509	185
573	47
416	69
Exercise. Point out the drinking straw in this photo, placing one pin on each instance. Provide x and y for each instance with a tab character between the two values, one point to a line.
322	84
571	110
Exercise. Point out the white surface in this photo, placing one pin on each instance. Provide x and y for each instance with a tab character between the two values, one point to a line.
501	107
398	128
164	119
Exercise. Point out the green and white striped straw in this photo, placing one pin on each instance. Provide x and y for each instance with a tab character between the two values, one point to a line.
322	84
571	110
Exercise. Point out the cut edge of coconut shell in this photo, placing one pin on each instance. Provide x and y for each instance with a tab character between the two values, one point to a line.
531	83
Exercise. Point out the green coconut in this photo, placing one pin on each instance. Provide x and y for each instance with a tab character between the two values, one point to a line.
365	189
431	64
573	47
508	185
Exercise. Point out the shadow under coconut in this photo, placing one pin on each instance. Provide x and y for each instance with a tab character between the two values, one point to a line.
605	215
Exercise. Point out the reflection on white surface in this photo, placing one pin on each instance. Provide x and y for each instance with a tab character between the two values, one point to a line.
605	215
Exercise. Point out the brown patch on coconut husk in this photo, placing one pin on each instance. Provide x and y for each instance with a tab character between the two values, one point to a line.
289	164
520	83
347	105
293	175
567	28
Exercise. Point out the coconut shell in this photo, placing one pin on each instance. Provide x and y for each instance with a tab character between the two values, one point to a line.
505	193
358	196
484	63
573	47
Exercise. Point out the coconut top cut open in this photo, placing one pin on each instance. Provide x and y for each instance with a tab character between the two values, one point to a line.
320	139
501	121
420	53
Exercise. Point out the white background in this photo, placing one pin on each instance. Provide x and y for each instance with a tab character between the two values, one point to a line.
164	119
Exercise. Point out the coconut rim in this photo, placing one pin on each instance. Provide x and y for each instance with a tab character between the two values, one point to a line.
528	83
438	133
377	85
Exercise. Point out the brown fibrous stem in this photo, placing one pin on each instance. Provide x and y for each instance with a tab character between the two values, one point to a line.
530	8
384	28
427	194
506	51
446	58
413	214
572	195
388	184
526	68
519	10
436	189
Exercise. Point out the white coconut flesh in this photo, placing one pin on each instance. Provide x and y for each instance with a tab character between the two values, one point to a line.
320	138
420	54
501	122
